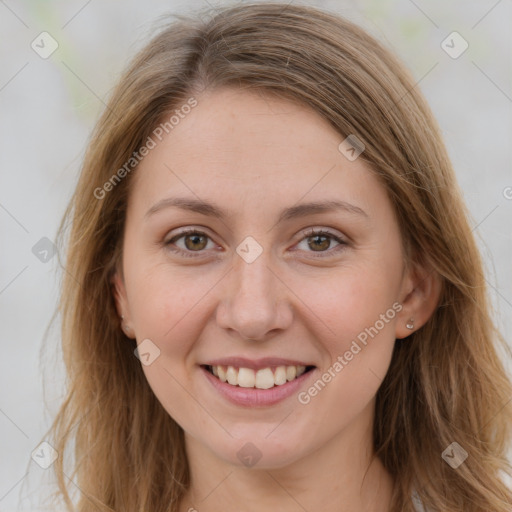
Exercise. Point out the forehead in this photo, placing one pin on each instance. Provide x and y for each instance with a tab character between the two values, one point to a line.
247	149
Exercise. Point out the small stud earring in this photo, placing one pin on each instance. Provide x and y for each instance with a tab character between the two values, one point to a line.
410	324
124	326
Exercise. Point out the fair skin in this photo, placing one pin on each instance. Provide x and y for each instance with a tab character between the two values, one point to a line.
304	299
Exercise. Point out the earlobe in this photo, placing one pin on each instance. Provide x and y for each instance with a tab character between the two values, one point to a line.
422	290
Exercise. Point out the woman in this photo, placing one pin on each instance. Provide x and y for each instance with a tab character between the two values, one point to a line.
273	297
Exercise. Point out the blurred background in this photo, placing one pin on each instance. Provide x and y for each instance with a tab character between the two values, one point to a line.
59	61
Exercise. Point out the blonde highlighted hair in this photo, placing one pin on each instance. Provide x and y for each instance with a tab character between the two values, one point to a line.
446	382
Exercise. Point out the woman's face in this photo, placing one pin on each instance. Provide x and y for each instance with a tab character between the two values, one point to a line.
252	287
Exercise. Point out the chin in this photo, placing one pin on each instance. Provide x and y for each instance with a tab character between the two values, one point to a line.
256	452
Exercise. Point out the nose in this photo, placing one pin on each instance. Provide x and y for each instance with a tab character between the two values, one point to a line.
255	302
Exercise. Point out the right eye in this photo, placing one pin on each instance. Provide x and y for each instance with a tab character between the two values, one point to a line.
194	241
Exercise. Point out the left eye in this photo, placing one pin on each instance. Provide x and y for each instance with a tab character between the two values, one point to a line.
322	240
196	241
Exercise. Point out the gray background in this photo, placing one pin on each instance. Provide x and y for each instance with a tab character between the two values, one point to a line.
48	107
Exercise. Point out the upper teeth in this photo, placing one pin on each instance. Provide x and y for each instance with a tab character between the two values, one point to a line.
261	379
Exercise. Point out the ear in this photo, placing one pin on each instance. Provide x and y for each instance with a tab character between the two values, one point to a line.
121	300
420	295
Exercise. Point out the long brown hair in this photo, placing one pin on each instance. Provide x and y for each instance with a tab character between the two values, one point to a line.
446	383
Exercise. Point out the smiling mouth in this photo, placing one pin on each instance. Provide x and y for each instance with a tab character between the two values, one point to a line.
265	378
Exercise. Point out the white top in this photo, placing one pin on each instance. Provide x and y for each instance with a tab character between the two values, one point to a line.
417	503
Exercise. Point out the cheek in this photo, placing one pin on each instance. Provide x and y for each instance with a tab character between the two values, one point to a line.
357	308
168	308
165	300
351	300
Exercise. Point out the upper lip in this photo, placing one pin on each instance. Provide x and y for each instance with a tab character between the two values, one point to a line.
255	364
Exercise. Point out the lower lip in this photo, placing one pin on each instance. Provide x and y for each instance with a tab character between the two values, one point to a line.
253	397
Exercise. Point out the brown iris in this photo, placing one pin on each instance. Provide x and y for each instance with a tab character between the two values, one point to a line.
196	244
325	244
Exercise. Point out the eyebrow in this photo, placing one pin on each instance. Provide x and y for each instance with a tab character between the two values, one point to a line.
293	212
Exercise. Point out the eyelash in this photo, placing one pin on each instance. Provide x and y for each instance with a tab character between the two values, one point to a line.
308	234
